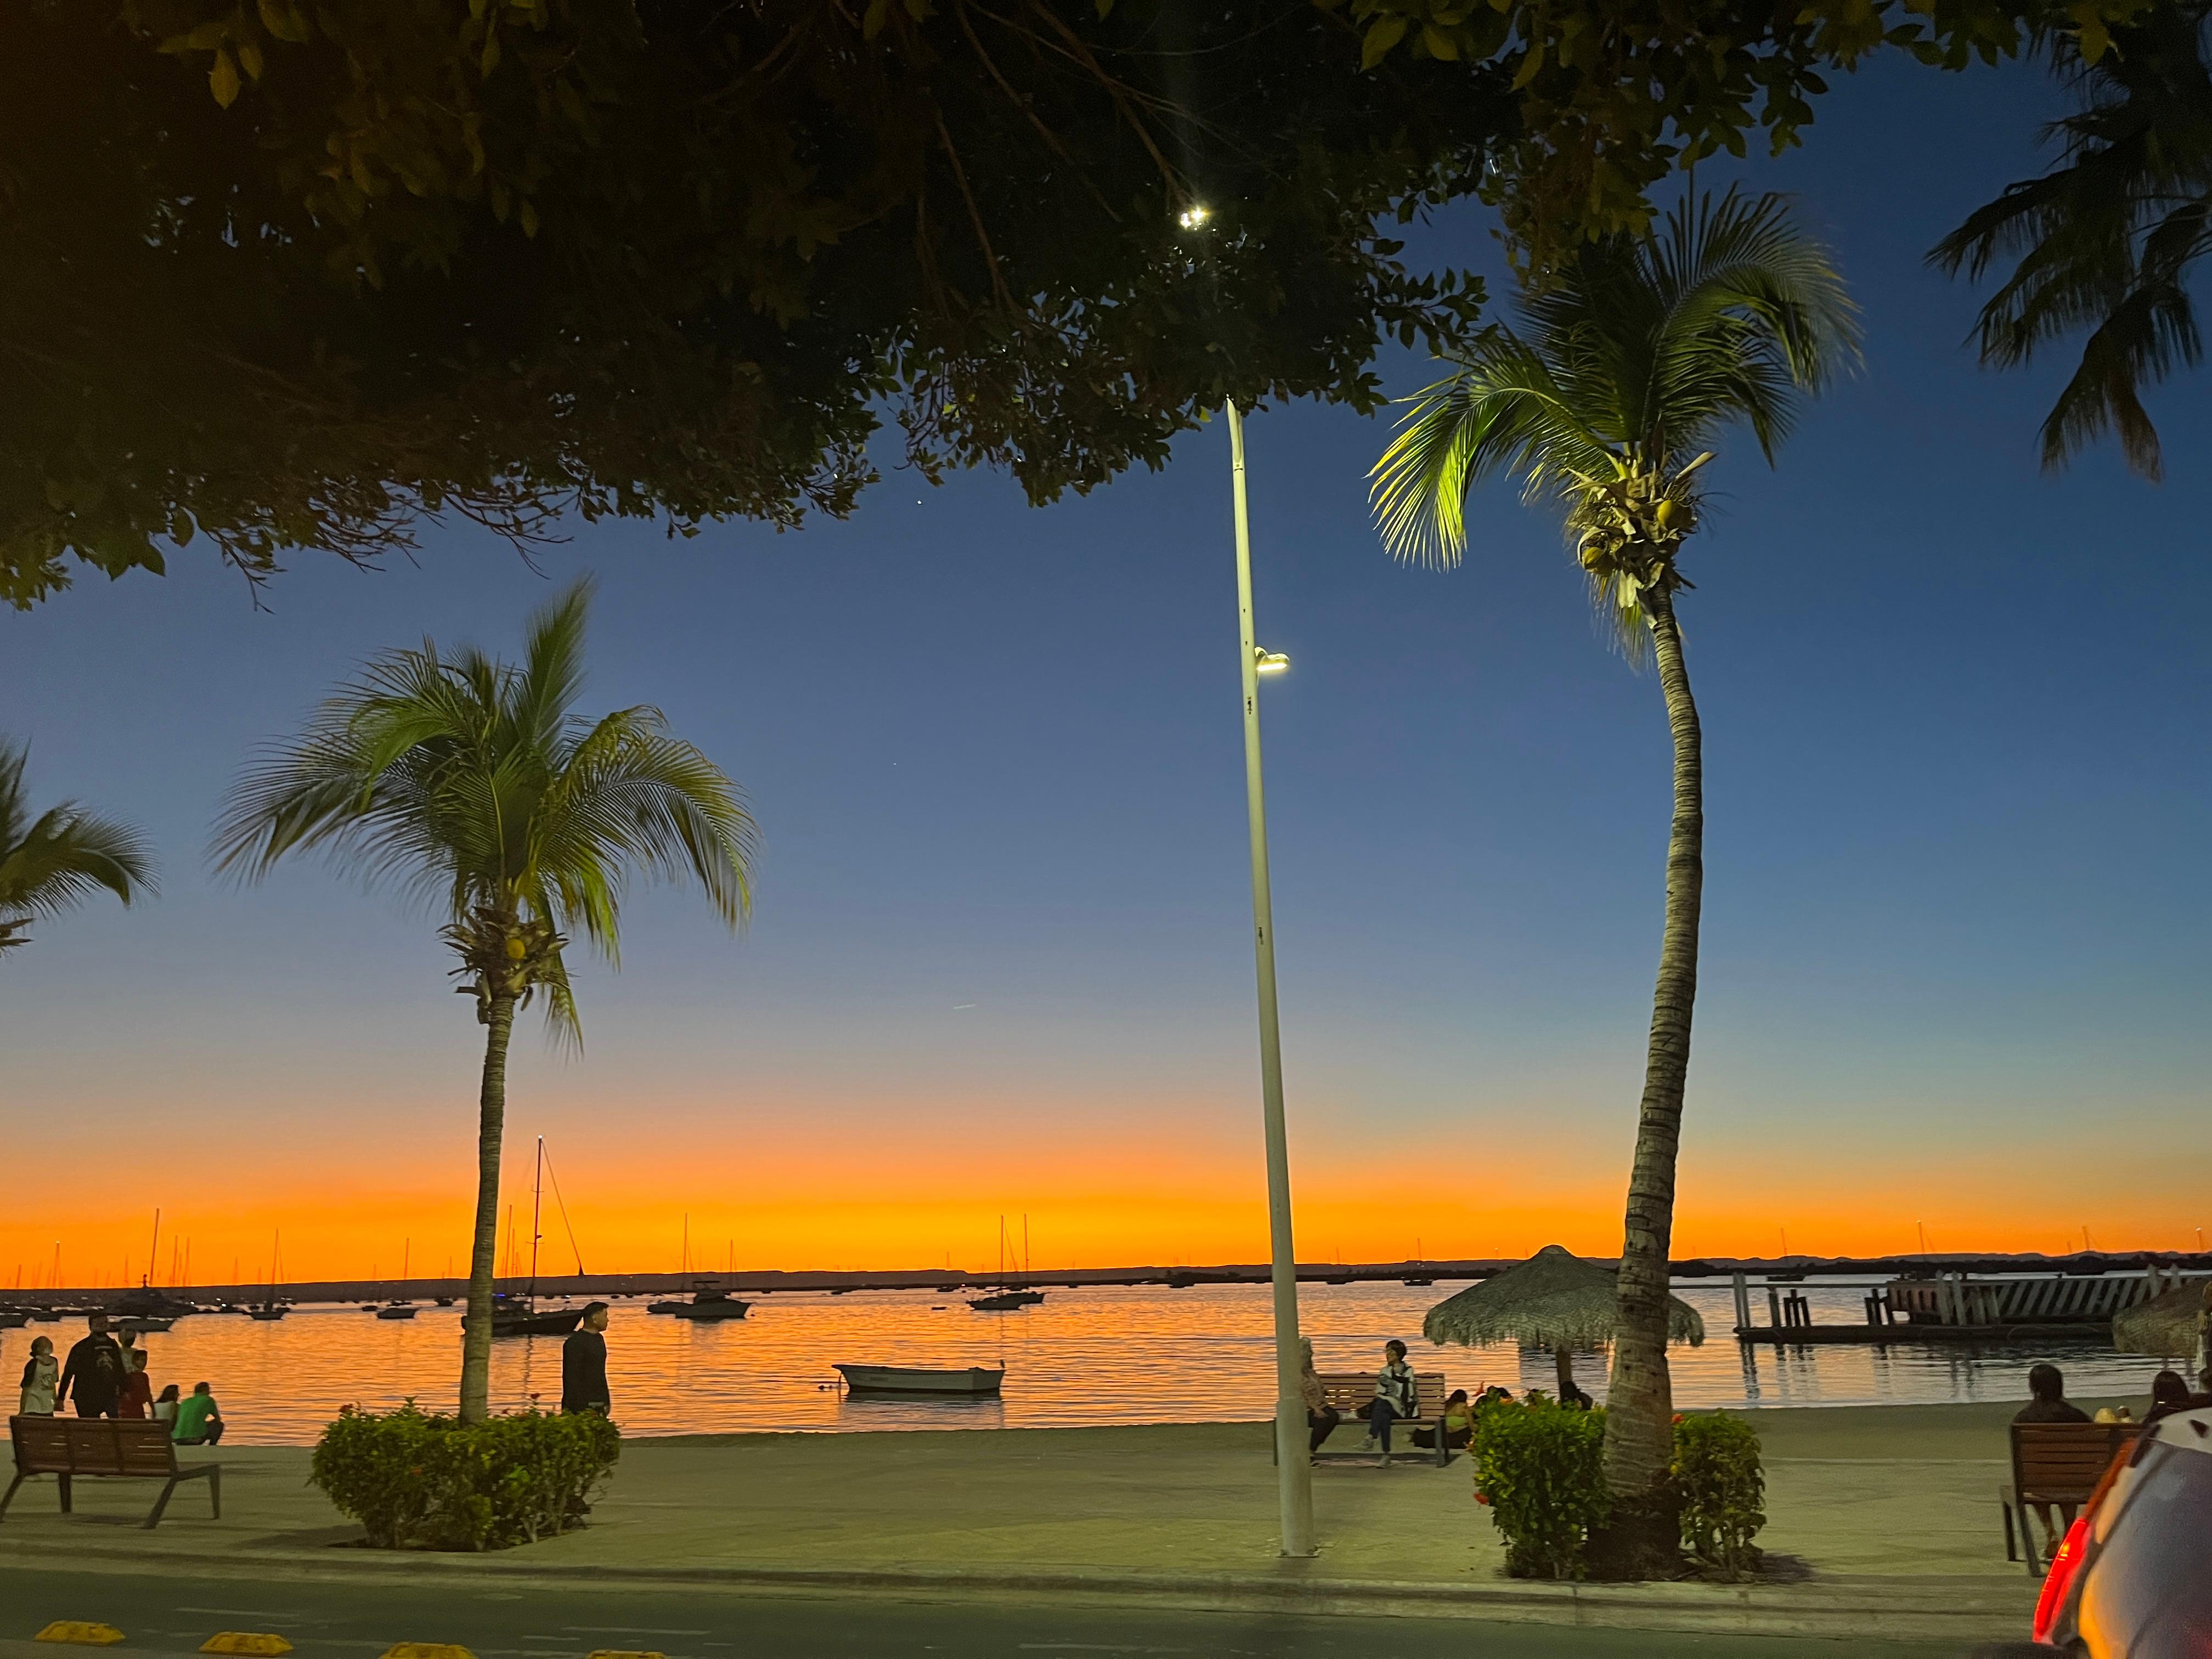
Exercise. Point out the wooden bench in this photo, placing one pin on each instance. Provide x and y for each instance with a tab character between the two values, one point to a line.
1351	1392
106	1449
2058	1464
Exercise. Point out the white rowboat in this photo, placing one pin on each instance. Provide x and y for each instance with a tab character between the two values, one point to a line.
910	1379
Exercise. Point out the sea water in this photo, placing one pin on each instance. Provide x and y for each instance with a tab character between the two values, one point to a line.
1100	1354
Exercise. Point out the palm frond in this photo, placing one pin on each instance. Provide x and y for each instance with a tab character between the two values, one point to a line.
66	855
2106	241
1502	411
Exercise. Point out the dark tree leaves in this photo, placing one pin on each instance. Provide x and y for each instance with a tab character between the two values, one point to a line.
295	273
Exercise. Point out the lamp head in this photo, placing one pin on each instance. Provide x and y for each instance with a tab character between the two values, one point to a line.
1269	662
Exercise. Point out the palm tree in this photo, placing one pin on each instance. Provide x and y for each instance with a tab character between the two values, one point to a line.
468	782
59	860
1631	360
2110	239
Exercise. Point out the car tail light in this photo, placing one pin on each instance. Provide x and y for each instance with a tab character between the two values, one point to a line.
2063	1566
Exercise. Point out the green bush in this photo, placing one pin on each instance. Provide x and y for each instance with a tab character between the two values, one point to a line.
1717	1473
1539	1467
416	1481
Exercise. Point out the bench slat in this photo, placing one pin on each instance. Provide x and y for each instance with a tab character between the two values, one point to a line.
93	1446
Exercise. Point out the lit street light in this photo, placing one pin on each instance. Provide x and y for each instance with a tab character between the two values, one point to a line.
1293	1466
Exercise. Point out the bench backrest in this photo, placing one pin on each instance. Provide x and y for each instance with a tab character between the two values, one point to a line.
2061	1462
1350	1391
92	1445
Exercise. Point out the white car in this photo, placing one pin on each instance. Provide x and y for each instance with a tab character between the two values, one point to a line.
2134	1578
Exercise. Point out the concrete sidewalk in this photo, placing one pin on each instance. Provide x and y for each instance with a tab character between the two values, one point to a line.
1883	1523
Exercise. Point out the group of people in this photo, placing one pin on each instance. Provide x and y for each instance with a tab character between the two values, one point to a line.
1396	1397
103	1378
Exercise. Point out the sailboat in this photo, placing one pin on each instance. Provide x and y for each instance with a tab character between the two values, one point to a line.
1007	1295
1420	1267
511	1318
270	1307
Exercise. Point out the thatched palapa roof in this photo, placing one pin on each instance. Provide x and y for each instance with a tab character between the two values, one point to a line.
2165	1325
1554	1299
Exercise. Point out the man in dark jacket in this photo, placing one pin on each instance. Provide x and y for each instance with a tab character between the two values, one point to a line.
94	1375
584	1365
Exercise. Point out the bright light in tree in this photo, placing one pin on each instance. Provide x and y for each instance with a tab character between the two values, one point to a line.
1193	217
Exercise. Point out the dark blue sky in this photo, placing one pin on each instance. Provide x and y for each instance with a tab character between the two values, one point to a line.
1955	960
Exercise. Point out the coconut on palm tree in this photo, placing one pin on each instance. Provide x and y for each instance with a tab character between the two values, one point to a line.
61	857
1629	363
471	782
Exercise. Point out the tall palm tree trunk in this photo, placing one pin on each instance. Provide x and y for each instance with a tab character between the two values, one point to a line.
492	1128
1640	1408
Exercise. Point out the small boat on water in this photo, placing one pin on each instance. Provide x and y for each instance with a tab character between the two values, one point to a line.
14	1319
397	1311
1001	1301
445	1301
1008	1297
709	1306
915	1379
46	1315
521	1319
140	1326
274	1310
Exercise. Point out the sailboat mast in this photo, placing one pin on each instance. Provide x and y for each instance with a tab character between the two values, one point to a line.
154	1250
1025	1246
536	1200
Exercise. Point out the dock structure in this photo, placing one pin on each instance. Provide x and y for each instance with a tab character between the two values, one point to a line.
1957	1307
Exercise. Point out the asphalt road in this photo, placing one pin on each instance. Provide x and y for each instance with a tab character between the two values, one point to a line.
348	1621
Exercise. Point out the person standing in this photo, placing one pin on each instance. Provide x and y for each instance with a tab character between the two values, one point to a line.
137	1392
42	1374
584	1364
1394	1397
94	1375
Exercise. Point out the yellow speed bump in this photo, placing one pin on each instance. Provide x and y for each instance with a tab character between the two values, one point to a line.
246	1641
426	1650
82	1631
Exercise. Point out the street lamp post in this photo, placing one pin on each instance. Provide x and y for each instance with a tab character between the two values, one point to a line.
1293	1469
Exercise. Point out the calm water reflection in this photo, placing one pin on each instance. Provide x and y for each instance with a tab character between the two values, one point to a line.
1142	1354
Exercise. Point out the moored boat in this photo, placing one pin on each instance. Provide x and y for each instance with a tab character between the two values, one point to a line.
918	1379
397	1311
711	1305
1001	1301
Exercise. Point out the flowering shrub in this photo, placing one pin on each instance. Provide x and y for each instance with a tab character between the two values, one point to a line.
1717	1473
417	1480
1539	1468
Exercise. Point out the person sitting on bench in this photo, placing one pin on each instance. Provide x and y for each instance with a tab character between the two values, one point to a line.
1395	1394
1455	1423
2047	1403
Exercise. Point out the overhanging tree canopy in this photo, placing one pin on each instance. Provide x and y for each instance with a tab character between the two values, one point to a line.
285	274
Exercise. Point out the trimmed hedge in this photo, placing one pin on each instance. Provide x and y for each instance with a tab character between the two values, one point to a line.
417	1480
1540	1468
1717	1472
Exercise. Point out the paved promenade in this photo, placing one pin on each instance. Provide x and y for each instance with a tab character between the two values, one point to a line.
1883	1523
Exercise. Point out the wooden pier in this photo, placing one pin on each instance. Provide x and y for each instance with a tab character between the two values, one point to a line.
1955	1306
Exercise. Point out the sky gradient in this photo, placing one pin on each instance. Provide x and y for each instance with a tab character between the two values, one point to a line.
1954	963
